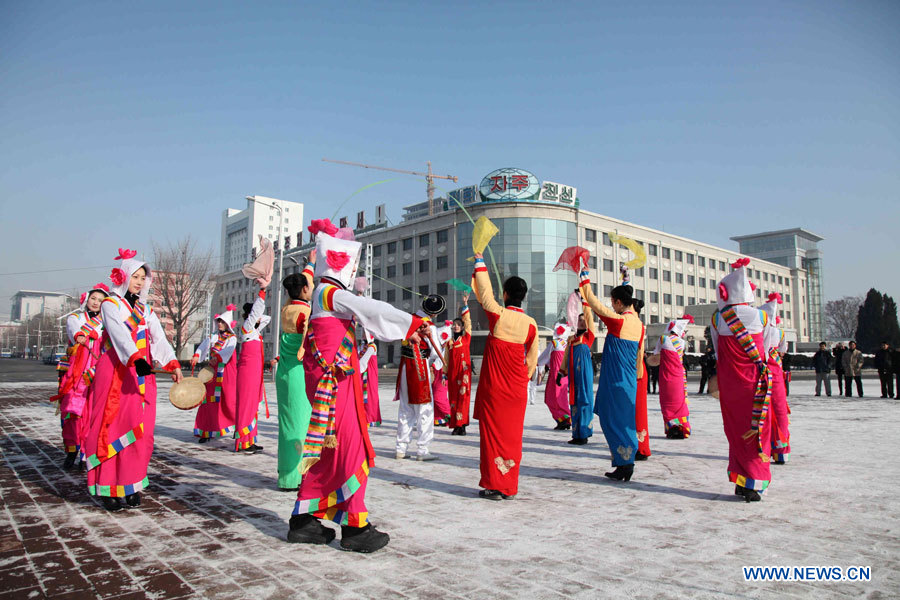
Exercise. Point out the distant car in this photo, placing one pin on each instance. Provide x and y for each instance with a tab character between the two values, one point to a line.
6	353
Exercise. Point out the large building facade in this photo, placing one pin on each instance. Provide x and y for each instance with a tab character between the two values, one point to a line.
30	303
420	254
797	249
263	216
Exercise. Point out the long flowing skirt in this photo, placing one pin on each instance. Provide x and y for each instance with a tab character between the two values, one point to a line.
370	393
335	486
500	409
781	435
294	410
441	398
615	405
737	376
673	392
215	416
581	389
459	387
640	417
556	397
73	398
119	439
249	393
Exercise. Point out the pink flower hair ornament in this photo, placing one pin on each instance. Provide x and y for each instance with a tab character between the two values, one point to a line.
82	298
230	307
777	297
317	226
723	292
117	276
741	262
101	286
689	319
125	253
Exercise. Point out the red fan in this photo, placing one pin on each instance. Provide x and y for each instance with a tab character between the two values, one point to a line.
573	259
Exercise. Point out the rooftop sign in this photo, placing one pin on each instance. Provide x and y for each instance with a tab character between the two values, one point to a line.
509	184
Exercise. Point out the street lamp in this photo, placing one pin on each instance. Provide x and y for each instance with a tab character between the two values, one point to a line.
276	317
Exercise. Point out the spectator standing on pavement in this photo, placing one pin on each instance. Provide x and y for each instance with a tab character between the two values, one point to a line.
707	367
838	354
895	360
852	359
822	361
883	362
654	379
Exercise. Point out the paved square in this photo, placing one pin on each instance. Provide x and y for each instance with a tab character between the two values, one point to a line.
213	525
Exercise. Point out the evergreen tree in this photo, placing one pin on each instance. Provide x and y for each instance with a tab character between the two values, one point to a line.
891	329
870	325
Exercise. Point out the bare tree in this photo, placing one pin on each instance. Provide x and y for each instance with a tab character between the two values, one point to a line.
841	316
181	280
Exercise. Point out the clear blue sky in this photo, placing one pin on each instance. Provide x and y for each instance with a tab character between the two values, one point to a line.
121	124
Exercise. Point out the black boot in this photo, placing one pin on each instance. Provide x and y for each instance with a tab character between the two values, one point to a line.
490	494
578	441
306	529
462	430
622	473
111	504
750	495
738	490
70	461
639	456
363	539
203	440
133	499
560	425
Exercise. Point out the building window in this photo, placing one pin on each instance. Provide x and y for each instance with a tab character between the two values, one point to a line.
406	294
757	274
607	265
690	259
376	295
691	301
703	282
407	268
639	272
423	265
391	271
376	250
679	278
679	300
607	291
654	297
758	293
606	240
679	256
712	284
780	280
667	275
667	298
654	273
407	244
701	261
765	276
441	236
376	272
654	319
721	265
592	262
639	294
442	288
423	240
666	252
590	235
690	280
392	248
787	297
391	295
651	249
441	263
423	290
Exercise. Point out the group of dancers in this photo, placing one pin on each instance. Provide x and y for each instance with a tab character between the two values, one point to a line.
327	383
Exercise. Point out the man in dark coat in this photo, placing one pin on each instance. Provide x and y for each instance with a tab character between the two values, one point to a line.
884	364
707	367
822	363
838	352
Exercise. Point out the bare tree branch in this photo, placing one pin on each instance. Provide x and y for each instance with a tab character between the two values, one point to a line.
841	316
181	282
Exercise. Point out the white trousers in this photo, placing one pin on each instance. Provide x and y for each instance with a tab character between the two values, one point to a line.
409	416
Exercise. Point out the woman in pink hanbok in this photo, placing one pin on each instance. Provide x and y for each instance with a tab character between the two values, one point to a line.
216	414
337	453
119	440
556	392
673	380
84	327
777	346
745	382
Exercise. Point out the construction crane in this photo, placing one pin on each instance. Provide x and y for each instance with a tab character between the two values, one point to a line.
429	177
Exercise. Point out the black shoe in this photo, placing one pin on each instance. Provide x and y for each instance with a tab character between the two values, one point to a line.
817	395
462	430
306	529
363	539
559	426
111	504
622	473
639	456
750	495
203	440
567	426
578	441
281	489
490	494
252	449
738	490
70	461
133	499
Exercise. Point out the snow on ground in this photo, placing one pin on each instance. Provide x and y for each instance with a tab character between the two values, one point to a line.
675	530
